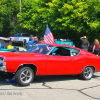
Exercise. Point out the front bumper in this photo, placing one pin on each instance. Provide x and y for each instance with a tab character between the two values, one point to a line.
3	68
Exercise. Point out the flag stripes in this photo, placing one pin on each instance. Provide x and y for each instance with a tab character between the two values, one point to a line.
48	36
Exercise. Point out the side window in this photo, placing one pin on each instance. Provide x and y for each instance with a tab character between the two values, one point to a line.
61	51
19	34
65	51
74	52
25	35
16	35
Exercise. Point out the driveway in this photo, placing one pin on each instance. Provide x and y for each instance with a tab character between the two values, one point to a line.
53	88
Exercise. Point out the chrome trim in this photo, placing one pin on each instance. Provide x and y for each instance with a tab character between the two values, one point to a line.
50	50
3	68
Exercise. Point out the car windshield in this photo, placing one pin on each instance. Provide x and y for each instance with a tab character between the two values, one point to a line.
17	35
41	48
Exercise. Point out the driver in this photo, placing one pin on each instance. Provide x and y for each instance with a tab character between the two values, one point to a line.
42	49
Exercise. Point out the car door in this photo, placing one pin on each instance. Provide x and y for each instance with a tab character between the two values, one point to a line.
59	62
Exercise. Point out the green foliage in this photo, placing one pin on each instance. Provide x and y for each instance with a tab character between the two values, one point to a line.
66	18
8	12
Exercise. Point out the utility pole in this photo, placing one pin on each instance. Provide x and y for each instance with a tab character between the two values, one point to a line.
20	6
20	11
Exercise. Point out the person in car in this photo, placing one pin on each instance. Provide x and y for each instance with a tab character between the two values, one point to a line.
41	48
35	40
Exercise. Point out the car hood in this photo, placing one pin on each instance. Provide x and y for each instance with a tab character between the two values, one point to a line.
20	54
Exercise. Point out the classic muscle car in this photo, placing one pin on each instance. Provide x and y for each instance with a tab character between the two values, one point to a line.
54	59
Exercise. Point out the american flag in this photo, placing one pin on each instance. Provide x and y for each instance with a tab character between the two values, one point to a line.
48	36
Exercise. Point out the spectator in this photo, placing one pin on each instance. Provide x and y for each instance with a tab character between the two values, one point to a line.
35	40
84	43
96	49
30	42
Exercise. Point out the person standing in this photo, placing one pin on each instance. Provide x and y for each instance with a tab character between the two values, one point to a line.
84	43
96	49
30	42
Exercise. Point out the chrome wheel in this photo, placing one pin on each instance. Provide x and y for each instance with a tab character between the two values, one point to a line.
87	73
26	76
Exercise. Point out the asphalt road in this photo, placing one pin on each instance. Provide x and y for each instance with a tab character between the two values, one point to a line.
53	88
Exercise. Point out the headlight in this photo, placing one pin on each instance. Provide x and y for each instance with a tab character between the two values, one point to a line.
4	63
1	62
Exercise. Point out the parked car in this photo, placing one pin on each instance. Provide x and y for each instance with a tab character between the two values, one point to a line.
20	37
7	50
64	41
57	60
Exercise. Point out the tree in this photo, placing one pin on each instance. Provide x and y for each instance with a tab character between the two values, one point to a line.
8	16
66	18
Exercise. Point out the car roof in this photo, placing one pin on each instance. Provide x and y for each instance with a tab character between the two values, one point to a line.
62	45
55	44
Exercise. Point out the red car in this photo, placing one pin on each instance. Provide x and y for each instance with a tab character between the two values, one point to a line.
54	59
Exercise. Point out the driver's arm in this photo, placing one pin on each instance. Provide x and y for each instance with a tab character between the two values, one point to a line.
35	49
40	50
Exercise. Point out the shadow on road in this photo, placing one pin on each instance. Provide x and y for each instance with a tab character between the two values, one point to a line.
43	79
55	78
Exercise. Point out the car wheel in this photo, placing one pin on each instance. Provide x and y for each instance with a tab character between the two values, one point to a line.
24	76
87	73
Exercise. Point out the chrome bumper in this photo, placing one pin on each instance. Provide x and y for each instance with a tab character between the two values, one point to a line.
3	68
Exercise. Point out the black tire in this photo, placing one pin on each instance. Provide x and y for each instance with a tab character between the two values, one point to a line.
24	76
87	73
